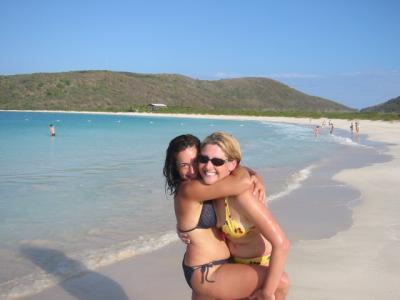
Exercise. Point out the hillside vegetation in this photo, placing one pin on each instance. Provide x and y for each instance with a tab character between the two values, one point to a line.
121	91
390	106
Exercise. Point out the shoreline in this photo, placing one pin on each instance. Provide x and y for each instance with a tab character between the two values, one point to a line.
323	206
362	262
341	212
349	264
338	123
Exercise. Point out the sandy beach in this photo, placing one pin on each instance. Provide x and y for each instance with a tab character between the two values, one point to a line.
360	262
363	262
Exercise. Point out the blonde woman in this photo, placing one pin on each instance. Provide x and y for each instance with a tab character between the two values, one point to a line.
252	234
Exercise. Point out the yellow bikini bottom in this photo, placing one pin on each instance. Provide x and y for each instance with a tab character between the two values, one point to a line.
261	260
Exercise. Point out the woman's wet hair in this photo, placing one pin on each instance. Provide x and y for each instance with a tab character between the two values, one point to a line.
170	171
228	144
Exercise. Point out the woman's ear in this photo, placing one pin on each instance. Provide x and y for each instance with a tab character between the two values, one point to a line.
232	164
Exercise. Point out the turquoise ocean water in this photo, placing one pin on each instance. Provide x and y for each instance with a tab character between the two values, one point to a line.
94	194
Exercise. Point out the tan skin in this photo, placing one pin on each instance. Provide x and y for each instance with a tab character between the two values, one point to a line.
267	236
235	280
187	216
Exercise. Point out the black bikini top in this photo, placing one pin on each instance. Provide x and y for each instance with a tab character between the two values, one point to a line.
207	218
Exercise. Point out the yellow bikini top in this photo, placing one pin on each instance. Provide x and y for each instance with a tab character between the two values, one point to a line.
232	227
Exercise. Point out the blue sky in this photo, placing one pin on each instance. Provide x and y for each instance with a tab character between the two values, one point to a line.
344	50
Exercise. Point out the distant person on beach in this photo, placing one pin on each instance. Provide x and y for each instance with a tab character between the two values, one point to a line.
351	128
357	128
331	128
206	264
317	131
52	130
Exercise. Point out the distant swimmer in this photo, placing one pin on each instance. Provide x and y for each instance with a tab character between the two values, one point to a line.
357	128
52	130
317	130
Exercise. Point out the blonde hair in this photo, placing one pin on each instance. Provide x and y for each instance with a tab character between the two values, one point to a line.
229	145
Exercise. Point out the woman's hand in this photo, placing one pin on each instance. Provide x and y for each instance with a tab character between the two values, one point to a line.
258	188
183	236
260	295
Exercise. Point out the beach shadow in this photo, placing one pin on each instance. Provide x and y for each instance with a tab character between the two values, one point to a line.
74	277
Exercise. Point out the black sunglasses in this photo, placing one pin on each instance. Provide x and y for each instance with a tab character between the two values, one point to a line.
215	161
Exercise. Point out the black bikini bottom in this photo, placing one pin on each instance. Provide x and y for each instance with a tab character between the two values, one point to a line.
204	268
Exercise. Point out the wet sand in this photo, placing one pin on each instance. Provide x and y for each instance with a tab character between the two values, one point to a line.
362	262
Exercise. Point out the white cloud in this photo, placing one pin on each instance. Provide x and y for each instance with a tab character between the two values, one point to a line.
276	76
370	73
294	75
222	75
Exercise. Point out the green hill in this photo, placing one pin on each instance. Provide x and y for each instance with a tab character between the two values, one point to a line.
390	106
121	91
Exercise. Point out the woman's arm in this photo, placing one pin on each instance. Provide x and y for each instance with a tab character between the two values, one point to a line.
270	229
234	184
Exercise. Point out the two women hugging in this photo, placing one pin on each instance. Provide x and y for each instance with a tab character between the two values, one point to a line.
235	247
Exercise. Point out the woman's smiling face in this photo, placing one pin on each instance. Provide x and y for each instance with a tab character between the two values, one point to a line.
208	171
186	163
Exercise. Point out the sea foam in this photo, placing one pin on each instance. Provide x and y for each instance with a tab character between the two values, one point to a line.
294	182
347	141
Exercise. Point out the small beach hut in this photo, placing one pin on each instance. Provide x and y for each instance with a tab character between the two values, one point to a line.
154	106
